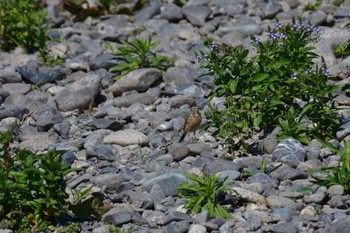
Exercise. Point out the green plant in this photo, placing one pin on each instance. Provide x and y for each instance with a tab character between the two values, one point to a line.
337	2
293	126
261	89
32	186
338	175
138	54
203	194
23	24
342	50
313	6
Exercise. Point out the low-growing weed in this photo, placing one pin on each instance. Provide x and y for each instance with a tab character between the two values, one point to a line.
342	50
338	175
138	54
203	194
33	188
23	24
281	78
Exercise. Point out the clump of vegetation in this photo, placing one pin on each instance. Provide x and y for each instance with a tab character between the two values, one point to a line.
138	54
33	189
282	78
342	50
203	194
339	175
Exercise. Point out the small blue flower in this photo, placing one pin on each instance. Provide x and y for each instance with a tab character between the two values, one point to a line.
294	75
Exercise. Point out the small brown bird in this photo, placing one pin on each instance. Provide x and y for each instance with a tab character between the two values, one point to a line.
192	122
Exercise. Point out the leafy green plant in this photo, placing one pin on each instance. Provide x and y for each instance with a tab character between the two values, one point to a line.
23	24
138	54
32	186
203	194
313	6
293	126
338	175
261	89
342	50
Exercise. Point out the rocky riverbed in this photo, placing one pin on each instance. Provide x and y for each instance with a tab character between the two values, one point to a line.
127	140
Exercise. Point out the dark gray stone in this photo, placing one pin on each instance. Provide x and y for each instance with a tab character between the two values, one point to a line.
79	94
287	173
117	217
13	111
285	228
289	151
102	152
139	80
172	13
103	123
272	9
181	152
104	61
169	183
196	15
342	226
178	227
144	98
284	214
33	74
318	18
46	118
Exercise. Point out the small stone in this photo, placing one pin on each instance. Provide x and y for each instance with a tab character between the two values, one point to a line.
308	211
126	137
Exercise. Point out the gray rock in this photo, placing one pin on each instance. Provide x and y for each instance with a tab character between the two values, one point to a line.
103	61
79	94
117	217
196	228
289	151
102	152
46	118
287	173
317	197
277	201
220	165
338	202
253	221
341	226
146	98
37	76
169	183
126	137
176	76
181	152
39	142
285	228
335	190
172	13
17	88
23	101
178	227
284	214
9	75
147	13
13	111
140	200
103	123
342	13
139	80
196	15
178	101
271	10
202	217
107	179
318	18
62	128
